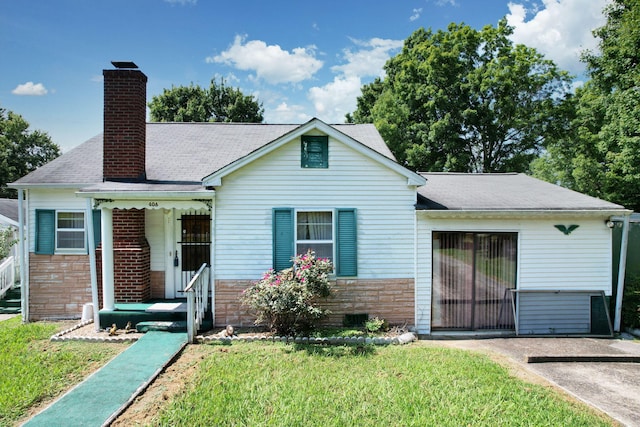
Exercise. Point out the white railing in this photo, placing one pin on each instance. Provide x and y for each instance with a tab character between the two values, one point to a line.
197	292
7	275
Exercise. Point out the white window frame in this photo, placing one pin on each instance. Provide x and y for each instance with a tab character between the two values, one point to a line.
305	241
82	231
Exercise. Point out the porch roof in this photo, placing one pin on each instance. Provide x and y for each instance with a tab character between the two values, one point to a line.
502	192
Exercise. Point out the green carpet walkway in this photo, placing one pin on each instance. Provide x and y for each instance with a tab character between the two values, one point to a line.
104	394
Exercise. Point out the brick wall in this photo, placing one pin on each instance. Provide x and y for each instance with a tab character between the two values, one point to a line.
59	286
125	97
131	257
391	299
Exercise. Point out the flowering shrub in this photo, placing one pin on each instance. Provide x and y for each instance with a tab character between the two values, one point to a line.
285	300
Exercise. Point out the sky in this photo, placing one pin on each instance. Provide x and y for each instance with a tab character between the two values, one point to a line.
300	59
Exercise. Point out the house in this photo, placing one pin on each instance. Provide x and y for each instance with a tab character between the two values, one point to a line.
433	251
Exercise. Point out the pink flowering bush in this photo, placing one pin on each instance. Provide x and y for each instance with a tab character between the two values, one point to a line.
286	300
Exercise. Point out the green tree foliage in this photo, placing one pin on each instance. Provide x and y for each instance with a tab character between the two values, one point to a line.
467	101
602	158
218	103
21	150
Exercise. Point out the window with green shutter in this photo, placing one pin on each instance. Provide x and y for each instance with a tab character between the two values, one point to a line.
282	238
330	234
314	151
346	246
45	231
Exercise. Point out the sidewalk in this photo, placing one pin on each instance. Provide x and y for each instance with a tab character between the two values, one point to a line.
100	398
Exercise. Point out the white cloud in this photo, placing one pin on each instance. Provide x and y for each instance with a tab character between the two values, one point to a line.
285	113
416	14
369	59
560	29
337	98
270	62
333	100
30	89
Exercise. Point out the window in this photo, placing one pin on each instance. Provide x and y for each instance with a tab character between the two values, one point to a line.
70	231
473	274
331	234
314	152
63	231
314	230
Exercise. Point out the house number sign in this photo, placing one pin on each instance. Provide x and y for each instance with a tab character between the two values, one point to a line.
153	204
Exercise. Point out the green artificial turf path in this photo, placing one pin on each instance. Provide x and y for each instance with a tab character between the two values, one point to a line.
107	391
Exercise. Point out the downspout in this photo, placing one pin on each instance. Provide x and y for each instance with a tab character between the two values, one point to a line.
621	272
415	269
24	300
92	266
212	260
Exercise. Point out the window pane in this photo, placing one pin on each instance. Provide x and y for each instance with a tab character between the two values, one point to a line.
71	220
322	250
70	239
315	226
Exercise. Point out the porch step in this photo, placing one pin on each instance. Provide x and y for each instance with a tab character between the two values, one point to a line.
11	302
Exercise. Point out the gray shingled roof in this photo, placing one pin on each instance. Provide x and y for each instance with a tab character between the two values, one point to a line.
9	209
184	152
501	192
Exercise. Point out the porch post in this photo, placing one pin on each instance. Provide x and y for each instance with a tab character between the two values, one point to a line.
92	265
23	256
106	228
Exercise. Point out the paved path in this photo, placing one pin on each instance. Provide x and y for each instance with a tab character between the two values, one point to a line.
107	392
609	385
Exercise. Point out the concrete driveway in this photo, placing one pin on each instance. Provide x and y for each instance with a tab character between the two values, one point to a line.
610	384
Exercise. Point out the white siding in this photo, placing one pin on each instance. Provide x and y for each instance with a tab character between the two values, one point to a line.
547	258
50	199
384	201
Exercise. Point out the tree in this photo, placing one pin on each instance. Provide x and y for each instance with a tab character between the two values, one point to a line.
603	157
219	103
467	101
21	150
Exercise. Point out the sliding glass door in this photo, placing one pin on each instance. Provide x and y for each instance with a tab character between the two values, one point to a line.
472	276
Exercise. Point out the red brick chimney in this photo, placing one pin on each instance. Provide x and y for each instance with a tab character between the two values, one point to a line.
125	98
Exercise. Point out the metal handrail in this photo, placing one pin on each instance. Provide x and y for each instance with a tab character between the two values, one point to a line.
197	292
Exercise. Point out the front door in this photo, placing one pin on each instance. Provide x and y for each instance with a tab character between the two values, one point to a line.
193	248
473	274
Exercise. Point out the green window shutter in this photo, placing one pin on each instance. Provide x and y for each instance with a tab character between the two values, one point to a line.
97	232
283	236
347	243
45	231
314	151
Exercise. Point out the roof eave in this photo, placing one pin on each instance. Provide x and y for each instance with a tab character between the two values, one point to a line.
521	213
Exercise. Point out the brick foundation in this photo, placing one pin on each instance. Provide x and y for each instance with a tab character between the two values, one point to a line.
59	285
391	299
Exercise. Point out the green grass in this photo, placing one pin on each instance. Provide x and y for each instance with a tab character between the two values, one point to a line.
274	384
33	369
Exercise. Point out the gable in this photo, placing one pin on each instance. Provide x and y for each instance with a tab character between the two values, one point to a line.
325	140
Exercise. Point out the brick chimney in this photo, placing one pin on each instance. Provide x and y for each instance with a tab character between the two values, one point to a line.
125	98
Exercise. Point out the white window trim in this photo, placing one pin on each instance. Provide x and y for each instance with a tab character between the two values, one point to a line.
333	232
83	250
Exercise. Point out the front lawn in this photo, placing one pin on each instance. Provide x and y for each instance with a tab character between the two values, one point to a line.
34	370
256	384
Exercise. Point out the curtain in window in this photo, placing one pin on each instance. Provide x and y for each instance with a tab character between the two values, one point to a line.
472	275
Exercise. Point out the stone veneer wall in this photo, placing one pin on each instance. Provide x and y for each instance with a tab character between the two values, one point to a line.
59	285
391	299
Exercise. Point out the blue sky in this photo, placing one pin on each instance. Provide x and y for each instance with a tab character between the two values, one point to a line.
301	59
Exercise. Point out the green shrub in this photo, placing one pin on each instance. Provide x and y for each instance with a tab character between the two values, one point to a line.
7	240
285	301
375	325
